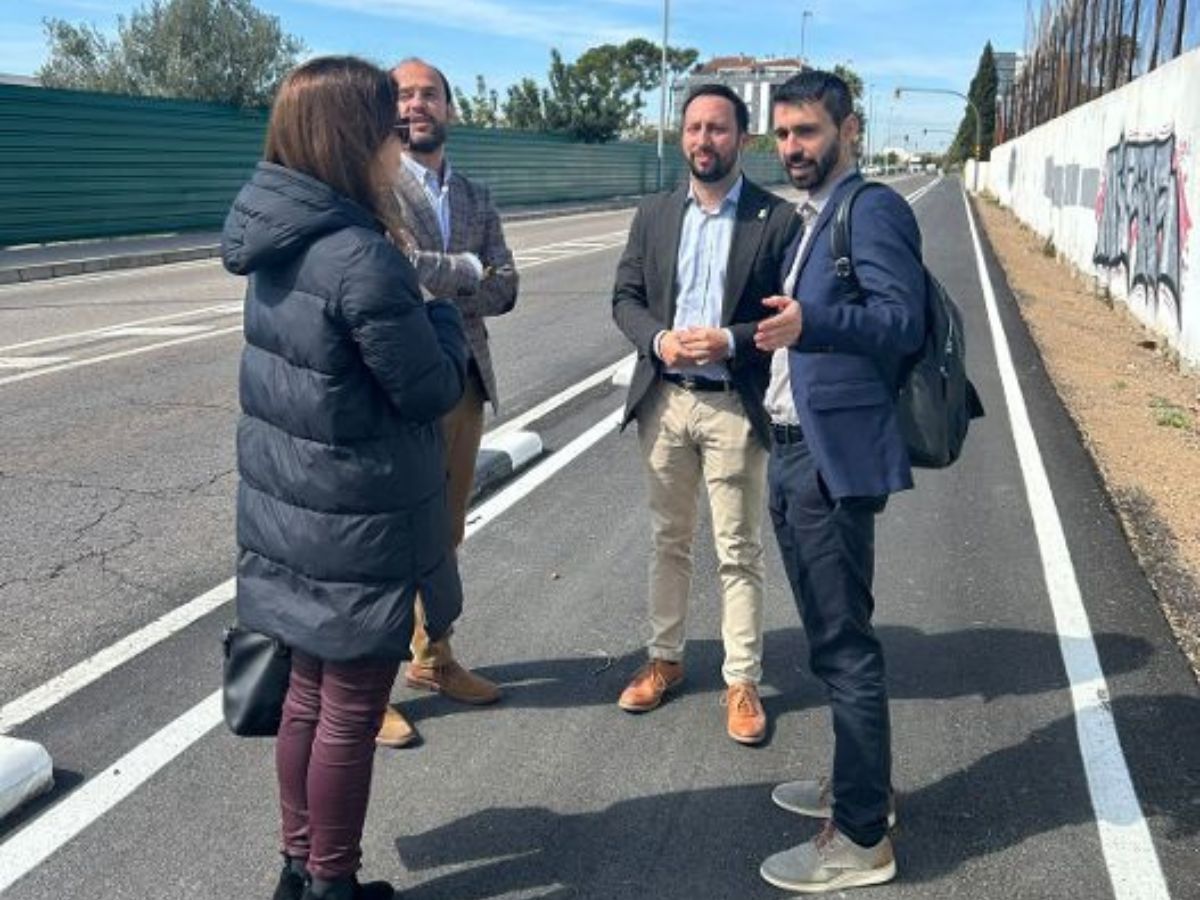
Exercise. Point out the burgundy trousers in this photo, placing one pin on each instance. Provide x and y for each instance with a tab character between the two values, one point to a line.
323	757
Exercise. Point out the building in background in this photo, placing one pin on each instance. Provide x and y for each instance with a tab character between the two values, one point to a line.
752	79
21	80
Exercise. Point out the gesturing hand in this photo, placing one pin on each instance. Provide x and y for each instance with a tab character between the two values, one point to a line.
782	329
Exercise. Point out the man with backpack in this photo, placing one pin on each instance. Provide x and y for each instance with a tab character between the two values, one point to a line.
842	341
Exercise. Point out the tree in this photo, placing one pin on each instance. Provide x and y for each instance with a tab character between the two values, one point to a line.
220	51
525	107
599	96
855	83
481	111
983	96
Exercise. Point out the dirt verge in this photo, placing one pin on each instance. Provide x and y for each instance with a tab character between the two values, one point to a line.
1137	409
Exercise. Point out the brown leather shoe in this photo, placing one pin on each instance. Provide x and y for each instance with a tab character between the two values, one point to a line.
396	731
648	686
453	680
747	721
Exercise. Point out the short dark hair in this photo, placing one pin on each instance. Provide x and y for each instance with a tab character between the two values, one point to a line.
442	75
330	117
713	89
816	86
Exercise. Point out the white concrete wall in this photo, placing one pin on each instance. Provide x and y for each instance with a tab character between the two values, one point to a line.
1114	184
969	175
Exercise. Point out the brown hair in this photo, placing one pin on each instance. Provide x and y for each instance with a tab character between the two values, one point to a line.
330	117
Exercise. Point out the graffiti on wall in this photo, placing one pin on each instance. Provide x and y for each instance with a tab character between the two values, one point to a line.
1142	213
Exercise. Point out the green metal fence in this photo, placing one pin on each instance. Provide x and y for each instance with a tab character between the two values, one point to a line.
80	165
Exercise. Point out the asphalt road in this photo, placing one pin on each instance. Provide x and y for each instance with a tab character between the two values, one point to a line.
116	491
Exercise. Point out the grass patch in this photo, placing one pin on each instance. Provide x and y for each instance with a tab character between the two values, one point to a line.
1169	415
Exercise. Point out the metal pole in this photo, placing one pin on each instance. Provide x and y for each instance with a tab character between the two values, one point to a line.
662	105
804	17
974	110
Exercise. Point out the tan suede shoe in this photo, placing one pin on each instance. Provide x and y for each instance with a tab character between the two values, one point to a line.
453	680
650	684
746	721
396	731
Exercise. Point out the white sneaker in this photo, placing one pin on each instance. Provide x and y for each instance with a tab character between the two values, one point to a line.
814	798
830	862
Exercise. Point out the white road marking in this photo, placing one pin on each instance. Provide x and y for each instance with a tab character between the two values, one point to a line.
32	845
157	330
79	676
31	362
107	357
36	842
94	333
542	409
1129	852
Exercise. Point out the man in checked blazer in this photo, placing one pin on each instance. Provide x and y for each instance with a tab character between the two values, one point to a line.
689	290
460	254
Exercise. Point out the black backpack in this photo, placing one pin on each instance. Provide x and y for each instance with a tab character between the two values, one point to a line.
935	400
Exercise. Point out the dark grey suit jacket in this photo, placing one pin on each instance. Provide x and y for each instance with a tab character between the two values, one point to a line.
644	296
475	228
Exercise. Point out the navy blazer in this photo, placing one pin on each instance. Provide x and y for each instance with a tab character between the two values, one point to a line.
844	367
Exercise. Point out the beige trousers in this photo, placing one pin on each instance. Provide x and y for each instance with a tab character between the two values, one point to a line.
462	429
688	437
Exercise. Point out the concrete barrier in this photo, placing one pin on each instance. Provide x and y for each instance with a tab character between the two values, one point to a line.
26	771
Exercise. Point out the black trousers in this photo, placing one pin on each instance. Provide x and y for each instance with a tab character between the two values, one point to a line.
828	550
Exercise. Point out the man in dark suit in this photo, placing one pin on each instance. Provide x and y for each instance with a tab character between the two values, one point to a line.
837	453
689	289
460	254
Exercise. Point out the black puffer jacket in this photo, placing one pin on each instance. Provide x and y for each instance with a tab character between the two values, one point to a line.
341	512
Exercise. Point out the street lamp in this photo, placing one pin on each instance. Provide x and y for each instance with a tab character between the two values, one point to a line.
978	120
662	85
804	17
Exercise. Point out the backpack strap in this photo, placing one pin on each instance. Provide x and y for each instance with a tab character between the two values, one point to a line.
843	264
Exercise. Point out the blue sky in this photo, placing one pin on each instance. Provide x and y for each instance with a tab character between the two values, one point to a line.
926	43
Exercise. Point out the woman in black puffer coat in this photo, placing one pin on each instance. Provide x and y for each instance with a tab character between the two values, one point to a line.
341	514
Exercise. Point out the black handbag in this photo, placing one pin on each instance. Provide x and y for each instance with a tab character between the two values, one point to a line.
254	682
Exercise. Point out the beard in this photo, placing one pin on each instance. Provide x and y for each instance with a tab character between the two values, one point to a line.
814	176
715	170
428	143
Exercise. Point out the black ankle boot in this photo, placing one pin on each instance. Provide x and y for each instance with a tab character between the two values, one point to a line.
292	880
348	889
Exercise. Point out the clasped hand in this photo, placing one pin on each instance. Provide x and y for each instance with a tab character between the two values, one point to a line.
694	346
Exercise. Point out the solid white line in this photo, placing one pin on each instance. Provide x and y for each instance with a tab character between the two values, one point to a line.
41	838
222	309
79	676
35	843
1129	852
483	515
532	415
107	357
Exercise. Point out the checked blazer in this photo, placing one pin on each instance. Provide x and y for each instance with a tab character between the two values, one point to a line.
474	228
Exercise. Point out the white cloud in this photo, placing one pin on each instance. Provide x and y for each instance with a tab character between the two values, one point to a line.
540	23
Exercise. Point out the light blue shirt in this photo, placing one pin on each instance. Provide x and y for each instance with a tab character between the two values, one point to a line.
437	189
704	244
